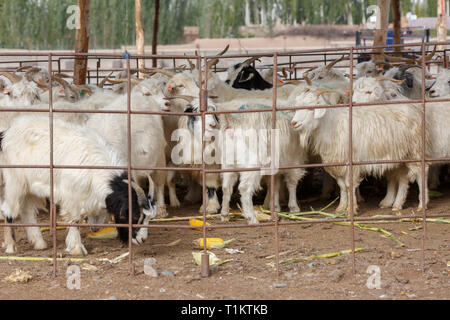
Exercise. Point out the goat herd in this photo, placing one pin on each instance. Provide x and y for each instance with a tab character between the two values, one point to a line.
320	135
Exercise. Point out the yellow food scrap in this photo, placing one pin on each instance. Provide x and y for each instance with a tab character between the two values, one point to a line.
197	223
212	243
104	233
19	276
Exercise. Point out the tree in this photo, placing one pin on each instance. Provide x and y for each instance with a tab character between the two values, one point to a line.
382	26
140	38
396	14
82	43
155	33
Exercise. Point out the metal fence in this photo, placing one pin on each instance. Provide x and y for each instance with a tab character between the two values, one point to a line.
292	57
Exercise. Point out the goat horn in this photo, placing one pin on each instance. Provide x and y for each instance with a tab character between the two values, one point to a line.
251	60
187	98
224	50
23	68
295	82
139	191
41	86
308	81
398	59
429	56
191	65
168	73
84	89
325	90
151	186
390	79
120	81
14	78
62	82
212	63
403	68
62	75
102	83
328	67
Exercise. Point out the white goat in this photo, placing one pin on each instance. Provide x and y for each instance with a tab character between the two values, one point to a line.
384	133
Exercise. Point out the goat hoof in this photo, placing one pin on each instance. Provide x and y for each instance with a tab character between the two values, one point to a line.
225	218
40	244
253	221
162	212
175	203
77	251
294	209
10	249
396	209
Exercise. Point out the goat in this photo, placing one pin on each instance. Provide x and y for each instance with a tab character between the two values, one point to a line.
383	133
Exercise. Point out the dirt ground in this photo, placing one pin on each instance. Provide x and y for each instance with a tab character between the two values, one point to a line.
248	275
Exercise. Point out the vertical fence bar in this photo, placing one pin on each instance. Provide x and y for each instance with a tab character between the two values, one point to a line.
272	163
350	158
203	92
130	202
52	198
424	196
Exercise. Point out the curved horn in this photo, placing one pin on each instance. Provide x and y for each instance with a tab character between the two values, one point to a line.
331	65
84	89
390	79
325	90
187	98
151	187
14	78
139	191
212	63
398	59
429	56
224	50
251	60
168	73
294	82
41	86
403	68
308	81
62	75
102	83
191	65
120	81
62	82
23	68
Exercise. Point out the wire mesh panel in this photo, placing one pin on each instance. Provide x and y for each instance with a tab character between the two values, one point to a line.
296	62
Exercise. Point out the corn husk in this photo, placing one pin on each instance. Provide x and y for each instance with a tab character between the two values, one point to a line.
19	276
212	243
104	233
197	223
213	259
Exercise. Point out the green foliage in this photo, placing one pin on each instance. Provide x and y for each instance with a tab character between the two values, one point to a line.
41	24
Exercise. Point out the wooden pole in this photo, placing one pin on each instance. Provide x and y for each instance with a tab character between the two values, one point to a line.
140	40
441	27
382	27
155	33
396	14
82	43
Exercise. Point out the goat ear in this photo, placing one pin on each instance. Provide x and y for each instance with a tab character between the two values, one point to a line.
319	113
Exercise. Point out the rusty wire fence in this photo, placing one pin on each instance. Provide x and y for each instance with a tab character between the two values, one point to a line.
321	56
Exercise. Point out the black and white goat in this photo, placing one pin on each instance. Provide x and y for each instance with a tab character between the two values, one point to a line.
78	193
